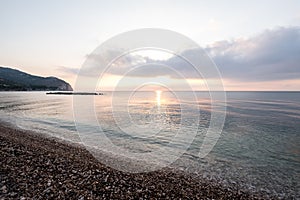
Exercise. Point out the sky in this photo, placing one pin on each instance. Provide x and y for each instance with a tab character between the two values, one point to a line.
254	44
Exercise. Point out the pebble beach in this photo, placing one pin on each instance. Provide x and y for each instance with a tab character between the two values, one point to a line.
35	167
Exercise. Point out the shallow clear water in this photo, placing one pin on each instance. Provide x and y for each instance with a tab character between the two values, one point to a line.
258	149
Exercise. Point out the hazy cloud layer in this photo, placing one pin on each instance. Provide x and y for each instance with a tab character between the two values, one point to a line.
271	55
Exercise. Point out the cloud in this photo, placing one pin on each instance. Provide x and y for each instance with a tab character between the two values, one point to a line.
270	55
68	70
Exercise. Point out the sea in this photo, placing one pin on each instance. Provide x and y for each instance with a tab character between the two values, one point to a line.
256	149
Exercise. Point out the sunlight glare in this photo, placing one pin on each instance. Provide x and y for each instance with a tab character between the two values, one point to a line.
158	97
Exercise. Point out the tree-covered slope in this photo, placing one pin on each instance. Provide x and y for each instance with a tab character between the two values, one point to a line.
15	80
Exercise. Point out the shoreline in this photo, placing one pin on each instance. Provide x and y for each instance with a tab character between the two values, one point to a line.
33	166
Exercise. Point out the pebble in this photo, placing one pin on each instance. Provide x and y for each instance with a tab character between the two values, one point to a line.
54	170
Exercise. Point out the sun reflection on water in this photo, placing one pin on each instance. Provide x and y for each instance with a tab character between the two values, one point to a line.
158	97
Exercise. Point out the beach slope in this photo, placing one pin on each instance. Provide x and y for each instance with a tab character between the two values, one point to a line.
34	167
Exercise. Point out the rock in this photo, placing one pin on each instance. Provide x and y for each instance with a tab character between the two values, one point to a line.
4	189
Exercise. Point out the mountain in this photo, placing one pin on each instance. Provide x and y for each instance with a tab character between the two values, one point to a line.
15	80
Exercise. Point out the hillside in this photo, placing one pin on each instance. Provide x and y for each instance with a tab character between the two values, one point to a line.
15	80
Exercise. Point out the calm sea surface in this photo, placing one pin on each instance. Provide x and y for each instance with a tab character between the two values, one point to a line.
259	147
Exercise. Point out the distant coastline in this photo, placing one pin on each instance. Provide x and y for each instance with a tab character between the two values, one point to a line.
16	80
74	93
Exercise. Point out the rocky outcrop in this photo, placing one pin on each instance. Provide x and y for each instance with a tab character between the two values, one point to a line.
15	80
